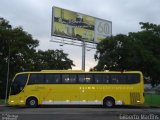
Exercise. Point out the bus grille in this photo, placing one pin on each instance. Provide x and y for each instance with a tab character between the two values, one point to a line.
134	97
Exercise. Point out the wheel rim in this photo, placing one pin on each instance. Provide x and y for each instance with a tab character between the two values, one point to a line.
109	103
32	102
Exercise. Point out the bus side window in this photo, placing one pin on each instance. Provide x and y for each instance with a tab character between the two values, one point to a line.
102	79
114	79
89	78
98	79
122	79
69	78
118	79
36	79
52	78
133	78
32	79
81	78
72	78
106	78
65	78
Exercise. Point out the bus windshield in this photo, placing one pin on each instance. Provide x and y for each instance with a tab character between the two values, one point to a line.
18	84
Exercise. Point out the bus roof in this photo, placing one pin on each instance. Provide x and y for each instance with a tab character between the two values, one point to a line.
78	71
61	71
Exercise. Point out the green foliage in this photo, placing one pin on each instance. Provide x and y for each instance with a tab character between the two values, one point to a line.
135	51
51	59
2	102
19	47
16	45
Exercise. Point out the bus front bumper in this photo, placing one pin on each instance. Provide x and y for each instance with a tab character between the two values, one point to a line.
13	101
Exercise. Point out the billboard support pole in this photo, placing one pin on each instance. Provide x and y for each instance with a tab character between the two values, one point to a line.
83	54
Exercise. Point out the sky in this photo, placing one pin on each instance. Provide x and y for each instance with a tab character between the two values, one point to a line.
34	16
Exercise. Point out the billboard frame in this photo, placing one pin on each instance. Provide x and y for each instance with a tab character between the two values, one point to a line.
79	39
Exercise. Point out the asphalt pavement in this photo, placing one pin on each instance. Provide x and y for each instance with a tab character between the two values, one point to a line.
80	113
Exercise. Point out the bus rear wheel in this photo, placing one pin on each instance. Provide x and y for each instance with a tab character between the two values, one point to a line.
109	102
32	102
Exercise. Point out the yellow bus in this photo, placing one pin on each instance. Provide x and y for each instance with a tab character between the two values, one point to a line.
49	87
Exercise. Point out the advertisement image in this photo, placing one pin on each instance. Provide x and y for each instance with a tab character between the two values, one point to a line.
78	26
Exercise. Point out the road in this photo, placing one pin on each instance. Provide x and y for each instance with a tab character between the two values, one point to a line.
79	113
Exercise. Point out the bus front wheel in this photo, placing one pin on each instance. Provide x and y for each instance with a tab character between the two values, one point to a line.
109	102
32	102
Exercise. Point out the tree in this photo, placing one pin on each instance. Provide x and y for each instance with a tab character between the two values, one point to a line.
135	51
52	59
109	53
19	48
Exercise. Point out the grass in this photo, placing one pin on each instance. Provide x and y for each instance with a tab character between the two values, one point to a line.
2	101
152	99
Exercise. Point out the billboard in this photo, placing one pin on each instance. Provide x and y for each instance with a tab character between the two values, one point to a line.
69	24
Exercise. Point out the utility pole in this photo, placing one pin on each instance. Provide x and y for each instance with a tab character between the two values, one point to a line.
83	54
8	70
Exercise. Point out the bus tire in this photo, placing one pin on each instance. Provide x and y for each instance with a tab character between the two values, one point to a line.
32	102
108	102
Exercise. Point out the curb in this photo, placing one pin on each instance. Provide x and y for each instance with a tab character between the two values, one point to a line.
3	105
